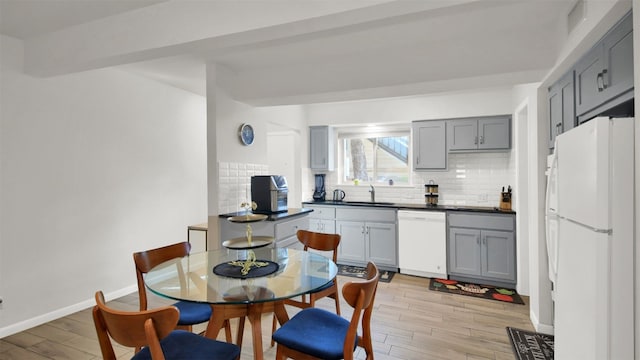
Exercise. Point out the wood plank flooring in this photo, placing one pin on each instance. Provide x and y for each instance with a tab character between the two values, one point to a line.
409	322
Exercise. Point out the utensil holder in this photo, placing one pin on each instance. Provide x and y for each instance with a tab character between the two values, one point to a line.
505	201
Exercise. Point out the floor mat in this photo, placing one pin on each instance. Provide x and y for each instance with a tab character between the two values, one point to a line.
528	345
361	272
475	290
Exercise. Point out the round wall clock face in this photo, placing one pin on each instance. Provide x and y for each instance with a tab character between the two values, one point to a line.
246	134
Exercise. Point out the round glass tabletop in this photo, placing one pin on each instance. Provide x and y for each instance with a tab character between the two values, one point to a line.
191	278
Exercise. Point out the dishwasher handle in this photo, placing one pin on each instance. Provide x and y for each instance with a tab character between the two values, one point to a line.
423	216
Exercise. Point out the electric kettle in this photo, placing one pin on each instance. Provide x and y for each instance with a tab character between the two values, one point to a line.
338	195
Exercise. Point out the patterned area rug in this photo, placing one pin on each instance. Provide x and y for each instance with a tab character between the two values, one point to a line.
529	345
475	290
360	272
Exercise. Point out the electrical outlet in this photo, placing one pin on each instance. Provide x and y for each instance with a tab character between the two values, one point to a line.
483	197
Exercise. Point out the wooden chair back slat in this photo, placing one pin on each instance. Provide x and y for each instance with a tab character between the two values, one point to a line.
319	241
128	328
148	259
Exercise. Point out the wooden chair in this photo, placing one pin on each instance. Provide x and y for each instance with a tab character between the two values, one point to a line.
154	332
321	242
191	313
319	334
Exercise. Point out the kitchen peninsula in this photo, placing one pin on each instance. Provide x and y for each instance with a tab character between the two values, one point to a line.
282	226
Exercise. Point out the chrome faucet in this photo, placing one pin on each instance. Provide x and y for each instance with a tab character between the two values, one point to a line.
372	190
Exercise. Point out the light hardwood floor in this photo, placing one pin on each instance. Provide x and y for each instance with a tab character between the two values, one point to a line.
409	322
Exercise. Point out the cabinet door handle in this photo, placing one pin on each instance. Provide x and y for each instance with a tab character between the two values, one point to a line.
481	139
475	142
604	82
599	79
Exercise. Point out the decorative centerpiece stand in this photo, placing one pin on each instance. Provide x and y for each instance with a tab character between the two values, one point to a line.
249	242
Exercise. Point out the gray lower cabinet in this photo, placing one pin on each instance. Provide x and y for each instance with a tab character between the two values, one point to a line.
429	145
604	75
562	111
367	241
482	248
322	219
352	242
484	133
367	235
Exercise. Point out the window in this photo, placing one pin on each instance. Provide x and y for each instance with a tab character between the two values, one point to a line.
380	158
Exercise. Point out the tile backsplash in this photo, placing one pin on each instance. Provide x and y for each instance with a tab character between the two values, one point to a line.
472	179
234	184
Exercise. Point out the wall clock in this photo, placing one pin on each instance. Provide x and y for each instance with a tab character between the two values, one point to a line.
246	134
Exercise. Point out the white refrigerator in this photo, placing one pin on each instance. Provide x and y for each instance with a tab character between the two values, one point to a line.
590	226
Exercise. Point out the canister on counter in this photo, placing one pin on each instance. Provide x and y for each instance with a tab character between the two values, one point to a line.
431	199
431	193
431	187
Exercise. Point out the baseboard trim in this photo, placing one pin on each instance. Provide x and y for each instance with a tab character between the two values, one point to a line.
541	328
62	312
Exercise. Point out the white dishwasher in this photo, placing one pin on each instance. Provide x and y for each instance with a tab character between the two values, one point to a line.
422	243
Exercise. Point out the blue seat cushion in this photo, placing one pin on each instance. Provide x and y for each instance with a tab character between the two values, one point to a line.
316	332
182	344
192	312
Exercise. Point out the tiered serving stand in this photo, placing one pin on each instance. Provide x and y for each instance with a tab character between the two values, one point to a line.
248	242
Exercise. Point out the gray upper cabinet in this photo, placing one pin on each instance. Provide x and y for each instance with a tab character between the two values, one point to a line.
321	148
604	76
429	145
562	113
484	133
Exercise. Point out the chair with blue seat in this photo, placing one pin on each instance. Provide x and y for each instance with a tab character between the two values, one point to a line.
324	243
191	313
153	331
319	334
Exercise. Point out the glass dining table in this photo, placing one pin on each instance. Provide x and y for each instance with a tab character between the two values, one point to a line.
210	277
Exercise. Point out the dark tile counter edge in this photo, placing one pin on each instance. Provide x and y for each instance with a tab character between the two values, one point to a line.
274	217
424	207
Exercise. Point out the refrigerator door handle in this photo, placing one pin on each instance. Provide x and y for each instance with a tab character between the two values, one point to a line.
552	246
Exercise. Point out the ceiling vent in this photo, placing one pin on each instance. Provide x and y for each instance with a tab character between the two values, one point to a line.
576	15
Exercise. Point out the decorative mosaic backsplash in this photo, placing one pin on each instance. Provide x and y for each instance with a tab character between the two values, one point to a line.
473	179
234	185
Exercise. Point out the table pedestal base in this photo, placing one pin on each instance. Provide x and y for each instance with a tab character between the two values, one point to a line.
251	311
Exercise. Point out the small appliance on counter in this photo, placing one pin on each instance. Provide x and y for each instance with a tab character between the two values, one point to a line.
319	194
431	193
270	193
505	199
338	195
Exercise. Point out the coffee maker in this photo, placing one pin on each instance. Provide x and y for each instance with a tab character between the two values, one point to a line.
319	194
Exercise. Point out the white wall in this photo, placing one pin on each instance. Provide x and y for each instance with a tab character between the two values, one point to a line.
231	164
94	166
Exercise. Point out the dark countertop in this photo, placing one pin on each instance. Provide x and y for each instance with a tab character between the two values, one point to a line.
425	207
274	217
